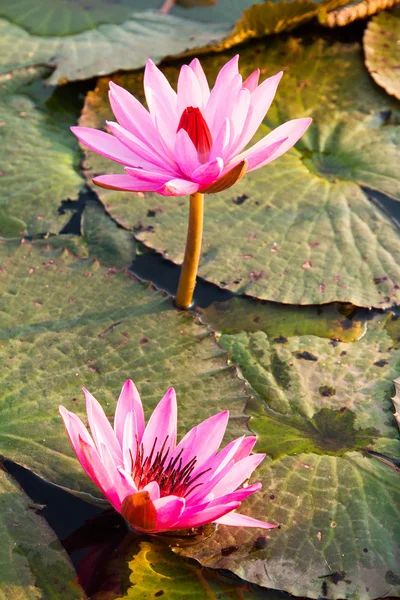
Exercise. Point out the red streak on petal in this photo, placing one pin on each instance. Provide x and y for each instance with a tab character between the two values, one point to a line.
193	122
139	511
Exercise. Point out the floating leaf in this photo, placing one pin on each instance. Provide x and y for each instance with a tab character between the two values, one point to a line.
382	52
110	244
264	236
59	18
107	48
317	408
154	571
38	155
269	17
339	529
33	563
303	375
67	323
279	321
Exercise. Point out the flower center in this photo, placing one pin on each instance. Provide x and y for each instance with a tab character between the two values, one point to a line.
170	474
193	122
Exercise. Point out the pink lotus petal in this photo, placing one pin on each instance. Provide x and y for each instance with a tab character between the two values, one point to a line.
100	427
76	432
129	402
154	490
156	82
161	426
133	116
125	183
209	172
169	509
165	124
226	106
129	441
98	473
148	177
238	495
239	114
189	91
262	154
285	136
261	100
251	82
209	436
186	153
222	140
183	131
238	474
202	79
106	145
156	485
245	447
238	520
178	187
222	84
120	482
148	159
126	484
192	518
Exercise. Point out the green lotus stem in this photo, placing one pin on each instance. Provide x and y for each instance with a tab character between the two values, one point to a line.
187	280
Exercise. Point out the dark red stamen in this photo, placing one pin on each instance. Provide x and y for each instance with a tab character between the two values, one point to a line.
193	122
172	477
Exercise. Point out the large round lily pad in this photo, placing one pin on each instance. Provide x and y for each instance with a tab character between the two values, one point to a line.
323	414
382	51
107	48
39	159
68	322
339	529
33	564
263	237
95	38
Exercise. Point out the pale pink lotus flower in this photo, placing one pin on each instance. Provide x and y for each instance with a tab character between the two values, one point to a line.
156	484
191	140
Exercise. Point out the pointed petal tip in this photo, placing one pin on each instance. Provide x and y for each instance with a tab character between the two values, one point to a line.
63	411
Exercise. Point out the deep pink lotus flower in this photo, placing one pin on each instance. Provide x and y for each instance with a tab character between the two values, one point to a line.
156	484
191	140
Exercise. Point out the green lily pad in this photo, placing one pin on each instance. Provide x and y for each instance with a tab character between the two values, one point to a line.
321	410
266	18
68	322
339	529
33	563
278	321
110	244
63	18
107	48
263	237
153	571
382	53
38	155
304	375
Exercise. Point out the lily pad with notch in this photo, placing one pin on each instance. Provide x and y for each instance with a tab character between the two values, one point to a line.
270	245
68	322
